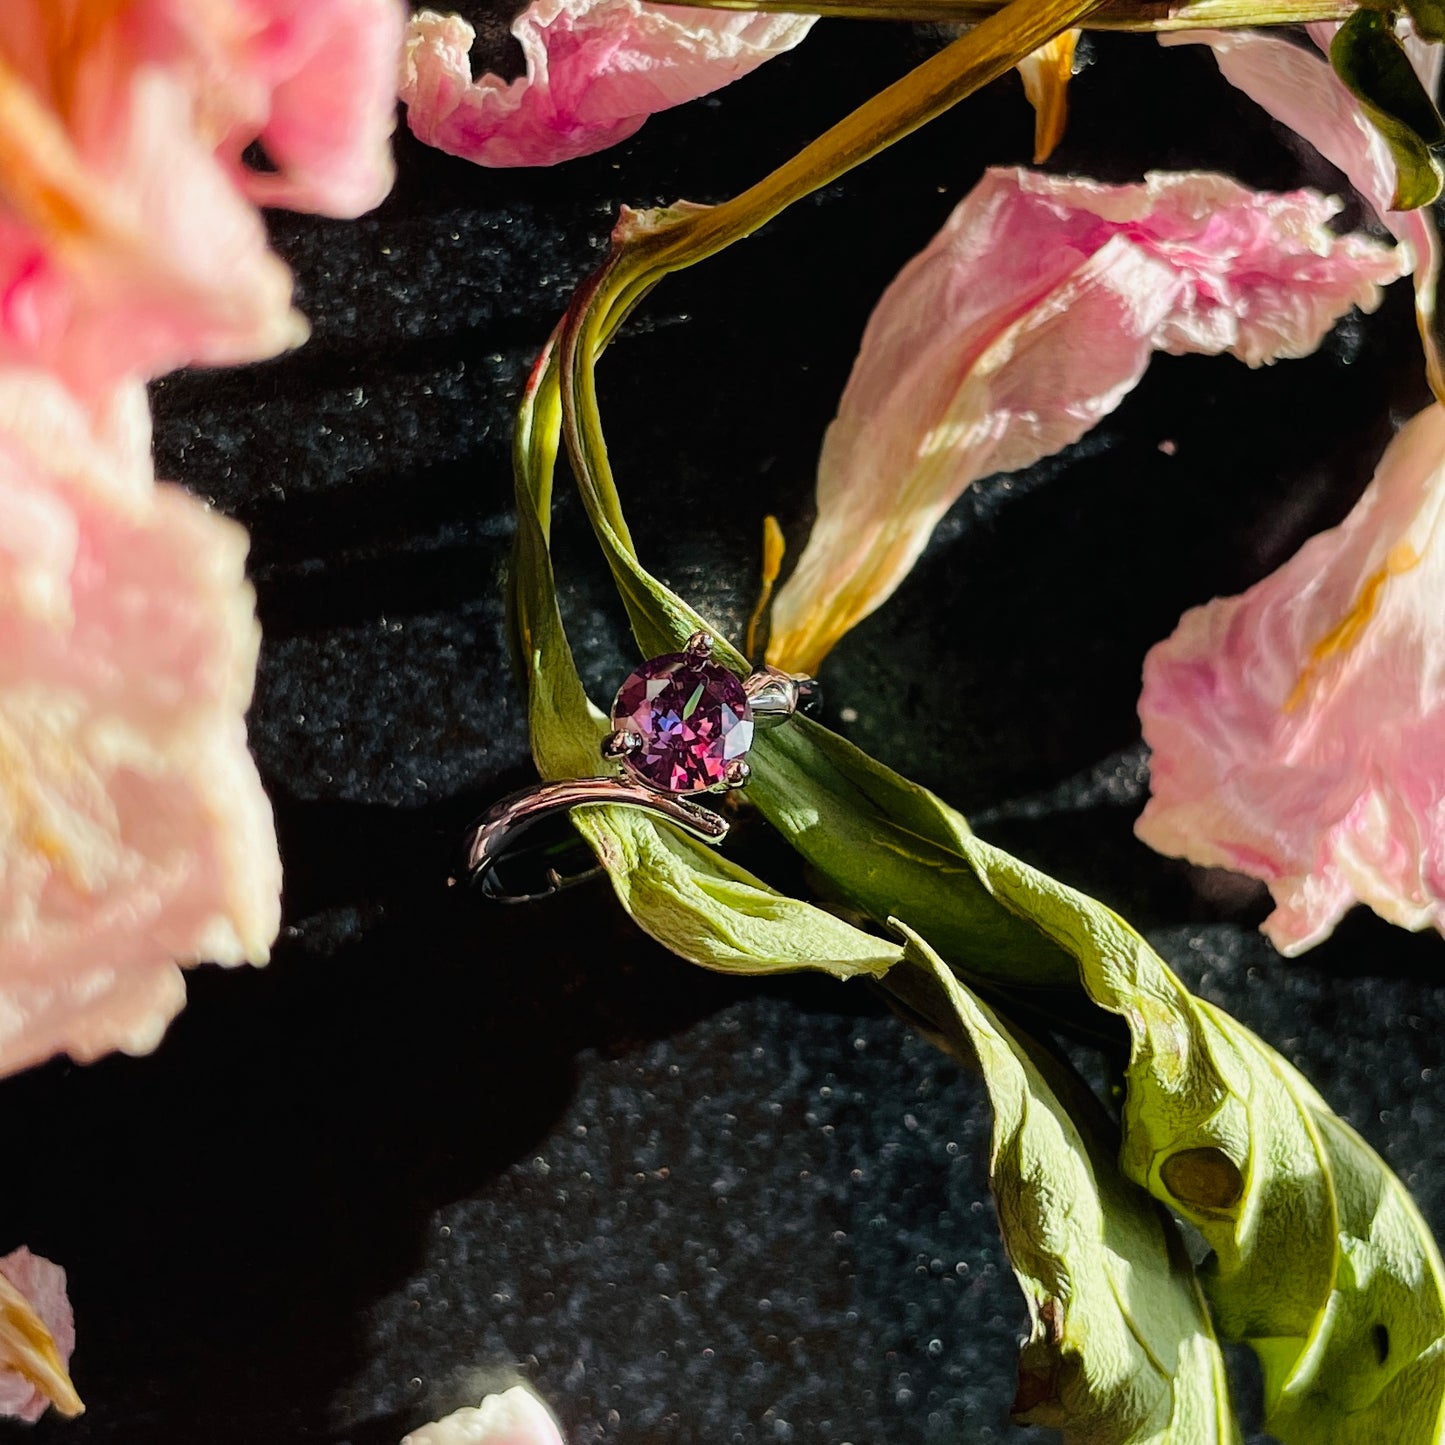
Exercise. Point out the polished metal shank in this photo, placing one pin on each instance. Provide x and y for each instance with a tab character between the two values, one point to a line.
495	834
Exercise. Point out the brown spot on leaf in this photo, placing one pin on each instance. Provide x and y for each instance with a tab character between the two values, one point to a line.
1205	1178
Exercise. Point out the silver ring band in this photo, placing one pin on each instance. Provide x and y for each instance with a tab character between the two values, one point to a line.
495	834
764	699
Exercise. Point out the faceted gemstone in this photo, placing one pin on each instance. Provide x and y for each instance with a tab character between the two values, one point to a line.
692	716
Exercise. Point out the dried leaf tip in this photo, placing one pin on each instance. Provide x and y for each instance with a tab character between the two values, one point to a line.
1046	75
773	549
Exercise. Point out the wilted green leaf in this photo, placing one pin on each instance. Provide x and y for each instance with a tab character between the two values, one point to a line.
566	730
876	837
1429	18
1121	1351
879	840
1369	58
1321	1261
705	908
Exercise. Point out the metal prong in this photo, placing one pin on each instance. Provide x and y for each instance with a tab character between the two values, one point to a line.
617	745
774	696
699	646
737	773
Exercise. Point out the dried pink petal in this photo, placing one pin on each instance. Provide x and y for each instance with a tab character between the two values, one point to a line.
133	828
515	1417
315	82
1299	729
124	247
596	69
37	1336
1299	89
1028	318
127	242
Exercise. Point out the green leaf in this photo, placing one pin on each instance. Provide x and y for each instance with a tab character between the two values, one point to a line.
885	844
705	908
876	837
1320	1260
566	729
1121	1350
1369	58
1429	18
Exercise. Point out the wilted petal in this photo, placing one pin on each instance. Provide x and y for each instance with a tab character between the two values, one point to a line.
1027	319
596	69
1299	730
515	1417
124	246
128	240
37	1335
1299	89
315	82
134	834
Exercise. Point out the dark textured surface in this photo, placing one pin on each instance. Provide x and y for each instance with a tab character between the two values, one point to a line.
433	1146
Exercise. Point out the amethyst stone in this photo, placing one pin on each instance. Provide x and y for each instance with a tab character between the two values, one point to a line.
692	716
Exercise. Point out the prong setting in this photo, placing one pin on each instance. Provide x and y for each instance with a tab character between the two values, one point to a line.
774	696
619	743
737	773
699	646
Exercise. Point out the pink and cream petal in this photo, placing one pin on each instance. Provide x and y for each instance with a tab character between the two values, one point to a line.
596	69
37	1336
515	1417
134	832
1298	730
1027	319
130	243
1299	89
134	261
326	73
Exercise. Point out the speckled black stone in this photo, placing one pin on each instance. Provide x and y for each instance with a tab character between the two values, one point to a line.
435	1146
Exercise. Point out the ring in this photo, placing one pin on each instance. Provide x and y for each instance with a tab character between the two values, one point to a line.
681	725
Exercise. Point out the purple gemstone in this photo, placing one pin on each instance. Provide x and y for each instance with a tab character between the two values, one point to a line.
692	716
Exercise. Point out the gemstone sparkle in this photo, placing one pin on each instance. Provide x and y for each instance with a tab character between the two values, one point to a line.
693	718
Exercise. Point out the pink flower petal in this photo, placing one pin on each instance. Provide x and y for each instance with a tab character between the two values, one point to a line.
1028	318
33	1288
1299	729
323	74
1300	90
515	1417
128	240
124	247
596	69
133	826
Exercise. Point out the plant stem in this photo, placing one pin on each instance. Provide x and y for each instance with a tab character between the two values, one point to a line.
985	52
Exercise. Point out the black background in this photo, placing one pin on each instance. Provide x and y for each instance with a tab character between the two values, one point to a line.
436	1146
